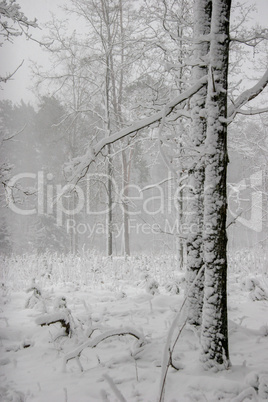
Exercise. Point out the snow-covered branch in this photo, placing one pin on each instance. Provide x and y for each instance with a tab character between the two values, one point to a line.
13	135
179	114
61	316
251	112
252	40
11	14
245	394
89	157
10	75
92	343
156	184
170	342
247	96
14	23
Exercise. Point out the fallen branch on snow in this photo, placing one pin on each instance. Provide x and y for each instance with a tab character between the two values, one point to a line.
53	318
247	393
92	343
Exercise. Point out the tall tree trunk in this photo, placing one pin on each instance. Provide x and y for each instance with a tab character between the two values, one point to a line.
180	241
126	157
214	334
109	166
110	205
125	204
202	21
265	208
108	46
180	244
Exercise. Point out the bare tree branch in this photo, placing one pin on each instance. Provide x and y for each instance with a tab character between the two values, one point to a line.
10	75
10	15
247	96
15	134
251	112
253	40
92	343
86	160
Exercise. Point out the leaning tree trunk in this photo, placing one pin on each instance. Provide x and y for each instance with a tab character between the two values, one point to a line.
214	334
202	20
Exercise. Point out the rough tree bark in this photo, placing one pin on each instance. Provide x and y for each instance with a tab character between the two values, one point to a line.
202	22
214	333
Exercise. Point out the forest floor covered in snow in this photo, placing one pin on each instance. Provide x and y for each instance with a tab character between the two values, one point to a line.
139	297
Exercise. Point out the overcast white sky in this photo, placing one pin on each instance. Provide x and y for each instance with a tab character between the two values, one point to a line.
12	56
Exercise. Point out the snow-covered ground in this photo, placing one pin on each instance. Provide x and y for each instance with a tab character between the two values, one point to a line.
97	296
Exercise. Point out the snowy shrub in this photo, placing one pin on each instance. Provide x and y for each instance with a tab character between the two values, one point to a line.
248	260
152	286
259	382
172	286
36	299
252	379
121	295
4	294
36	289
257	291
85	269
10	395
250	284
144	277
60	303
